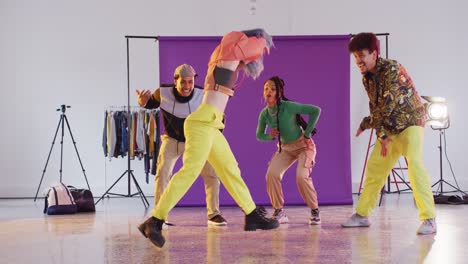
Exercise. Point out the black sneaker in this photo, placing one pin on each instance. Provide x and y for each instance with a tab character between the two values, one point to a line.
217	220
262	210
151	229
314	217
257	220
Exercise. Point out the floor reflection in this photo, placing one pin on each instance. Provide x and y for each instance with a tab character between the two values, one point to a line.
111	236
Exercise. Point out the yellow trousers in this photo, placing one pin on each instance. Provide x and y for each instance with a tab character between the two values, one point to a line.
169	153
409	144
204	142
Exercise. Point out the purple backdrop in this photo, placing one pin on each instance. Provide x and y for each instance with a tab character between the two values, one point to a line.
316	71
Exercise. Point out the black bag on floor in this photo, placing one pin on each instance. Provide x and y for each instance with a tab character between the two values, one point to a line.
83	198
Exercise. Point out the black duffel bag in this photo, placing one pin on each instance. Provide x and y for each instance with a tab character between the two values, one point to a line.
83	198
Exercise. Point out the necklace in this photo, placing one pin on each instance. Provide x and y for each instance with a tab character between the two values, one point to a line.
272	111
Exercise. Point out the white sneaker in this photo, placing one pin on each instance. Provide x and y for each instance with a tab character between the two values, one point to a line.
427	227
281	216
356	221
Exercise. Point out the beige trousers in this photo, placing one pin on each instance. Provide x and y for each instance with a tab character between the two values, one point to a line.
170	152
303	151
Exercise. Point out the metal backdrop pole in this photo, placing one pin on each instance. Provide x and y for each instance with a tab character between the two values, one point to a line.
129	171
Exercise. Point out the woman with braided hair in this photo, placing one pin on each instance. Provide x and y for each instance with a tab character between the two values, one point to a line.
284	119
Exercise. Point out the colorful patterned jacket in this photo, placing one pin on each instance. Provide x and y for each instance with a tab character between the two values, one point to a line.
394	103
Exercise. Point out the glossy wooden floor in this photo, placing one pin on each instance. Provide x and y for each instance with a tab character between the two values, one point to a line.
110	236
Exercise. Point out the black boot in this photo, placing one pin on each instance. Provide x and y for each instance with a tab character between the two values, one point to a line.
257	220
151	229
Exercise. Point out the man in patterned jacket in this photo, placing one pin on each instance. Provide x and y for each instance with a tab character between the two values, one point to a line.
177	101
398	117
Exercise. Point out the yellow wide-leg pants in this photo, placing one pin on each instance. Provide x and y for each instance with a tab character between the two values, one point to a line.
205	142
169	153
409	144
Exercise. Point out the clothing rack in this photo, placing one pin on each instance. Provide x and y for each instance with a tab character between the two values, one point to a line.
150	124
123	108
129	171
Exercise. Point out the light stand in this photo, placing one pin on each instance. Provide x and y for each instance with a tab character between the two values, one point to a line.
438	118
61	123
441	180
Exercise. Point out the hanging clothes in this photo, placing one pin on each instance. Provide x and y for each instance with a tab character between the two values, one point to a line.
135	133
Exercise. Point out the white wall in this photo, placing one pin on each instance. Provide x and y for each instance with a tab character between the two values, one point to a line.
64	52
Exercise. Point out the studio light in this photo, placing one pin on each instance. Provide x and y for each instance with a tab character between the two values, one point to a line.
438	118
437	112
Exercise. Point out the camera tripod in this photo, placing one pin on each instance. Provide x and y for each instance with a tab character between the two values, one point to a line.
61	123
